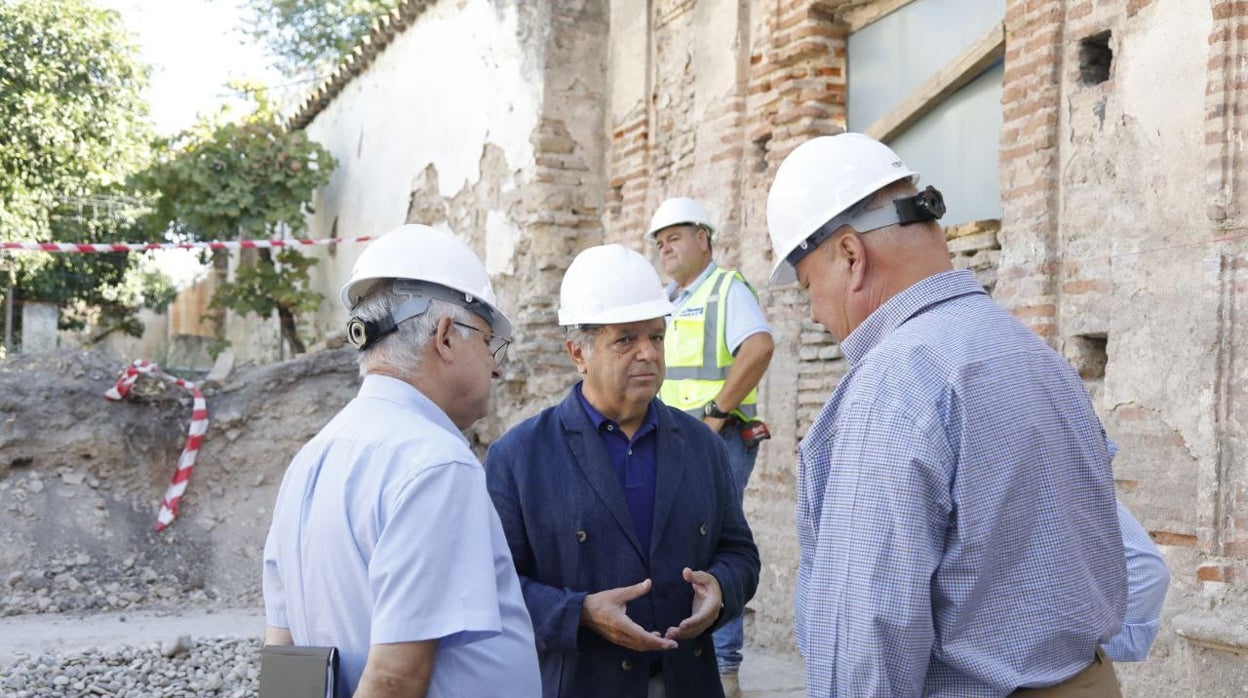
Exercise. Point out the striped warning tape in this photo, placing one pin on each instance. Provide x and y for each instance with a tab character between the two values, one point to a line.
194	434
86	247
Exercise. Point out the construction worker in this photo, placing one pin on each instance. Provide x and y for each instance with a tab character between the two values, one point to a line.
384	541
620	511
956	517
717	348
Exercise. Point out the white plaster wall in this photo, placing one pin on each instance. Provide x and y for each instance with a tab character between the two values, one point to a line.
630	58
714	49
454	80
1140	219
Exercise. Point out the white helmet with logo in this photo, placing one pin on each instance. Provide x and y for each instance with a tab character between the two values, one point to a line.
425	254
611	284
820	180
680	211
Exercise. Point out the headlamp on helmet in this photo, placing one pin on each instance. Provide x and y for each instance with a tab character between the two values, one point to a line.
363	334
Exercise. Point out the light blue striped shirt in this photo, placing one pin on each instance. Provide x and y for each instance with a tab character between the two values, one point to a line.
1148	578
956	512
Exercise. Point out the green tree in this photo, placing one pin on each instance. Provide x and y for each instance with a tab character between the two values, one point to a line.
246	179
73	128
311	35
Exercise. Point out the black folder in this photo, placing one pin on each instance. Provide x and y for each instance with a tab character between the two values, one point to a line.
290	671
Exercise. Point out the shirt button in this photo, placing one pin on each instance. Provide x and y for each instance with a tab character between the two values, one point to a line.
610	427
626	665
630	451
702	529
581	536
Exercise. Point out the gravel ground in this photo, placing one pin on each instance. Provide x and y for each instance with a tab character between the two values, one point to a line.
206	652
189	652
180	667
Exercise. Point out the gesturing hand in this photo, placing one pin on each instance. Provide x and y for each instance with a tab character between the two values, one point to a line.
708	599
605	614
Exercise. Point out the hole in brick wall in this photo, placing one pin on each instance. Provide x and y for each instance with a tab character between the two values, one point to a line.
760	151
1095	58
615	200
1089	354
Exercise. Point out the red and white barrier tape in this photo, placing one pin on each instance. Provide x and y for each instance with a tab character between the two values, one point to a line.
144	246
194	434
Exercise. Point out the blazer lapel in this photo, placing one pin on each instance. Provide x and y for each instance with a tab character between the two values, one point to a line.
591	457
671	458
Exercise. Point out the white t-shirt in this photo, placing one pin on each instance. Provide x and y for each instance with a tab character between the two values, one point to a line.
383	531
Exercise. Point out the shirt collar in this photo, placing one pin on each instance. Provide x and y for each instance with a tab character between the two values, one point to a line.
905	305
379	387
674	293
651	422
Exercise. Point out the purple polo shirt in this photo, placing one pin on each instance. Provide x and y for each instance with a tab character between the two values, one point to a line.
635	462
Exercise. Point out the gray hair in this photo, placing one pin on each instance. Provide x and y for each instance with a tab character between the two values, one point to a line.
582	337
401	350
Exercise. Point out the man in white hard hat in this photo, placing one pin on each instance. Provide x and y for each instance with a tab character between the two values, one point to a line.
956	513
384	541
621	513
718	347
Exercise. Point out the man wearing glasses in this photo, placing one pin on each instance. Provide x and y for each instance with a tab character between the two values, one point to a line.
384	541
621	512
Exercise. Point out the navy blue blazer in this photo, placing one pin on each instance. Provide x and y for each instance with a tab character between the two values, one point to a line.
567	523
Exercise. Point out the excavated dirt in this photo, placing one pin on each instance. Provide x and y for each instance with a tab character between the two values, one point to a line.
81	480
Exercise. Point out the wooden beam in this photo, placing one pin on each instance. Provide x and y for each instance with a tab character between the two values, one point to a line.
982	53
860	14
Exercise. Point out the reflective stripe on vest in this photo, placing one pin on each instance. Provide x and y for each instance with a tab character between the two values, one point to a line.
690	387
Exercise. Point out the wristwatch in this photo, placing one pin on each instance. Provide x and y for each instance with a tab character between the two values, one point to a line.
712	410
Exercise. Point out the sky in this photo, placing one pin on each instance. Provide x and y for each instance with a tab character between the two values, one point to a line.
194	50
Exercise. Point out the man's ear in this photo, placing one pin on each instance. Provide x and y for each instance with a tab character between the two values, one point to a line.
442	339
853	254
577	354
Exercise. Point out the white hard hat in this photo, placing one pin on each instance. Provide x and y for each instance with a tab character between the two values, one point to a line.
820	180
421	253
611	284
680	211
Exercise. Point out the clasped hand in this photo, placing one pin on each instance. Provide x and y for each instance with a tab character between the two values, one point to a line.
605	612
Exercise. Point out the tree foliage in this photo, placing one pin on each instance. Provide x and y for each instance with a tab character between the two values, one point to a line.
73	128
311	35
251	178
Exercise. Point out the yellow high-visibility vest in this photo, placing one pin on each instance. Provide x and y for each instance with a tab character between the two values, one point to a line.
696	353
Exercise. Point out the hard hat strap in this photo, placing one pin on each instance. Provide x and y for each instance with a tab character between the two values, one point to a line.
362	334
927	205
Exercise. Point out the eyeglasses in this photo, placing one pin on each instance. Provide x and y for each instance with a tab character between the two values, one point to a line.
497	345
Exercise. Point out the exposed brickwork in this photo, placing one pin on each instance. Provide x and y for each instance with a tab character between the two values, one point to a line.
1227	109
975	246
628	175
1029	162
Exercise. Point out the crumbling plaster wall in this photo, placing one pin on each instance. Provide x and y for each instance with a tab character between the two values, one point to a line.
485	118
456	91
1121	245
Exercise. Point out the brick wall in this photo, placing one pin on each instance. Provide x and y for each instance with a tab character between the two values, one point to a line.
1029	162
1226	123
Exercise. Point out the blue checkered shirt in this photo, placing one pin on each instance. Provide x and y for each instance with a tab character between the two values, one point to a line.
956	510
